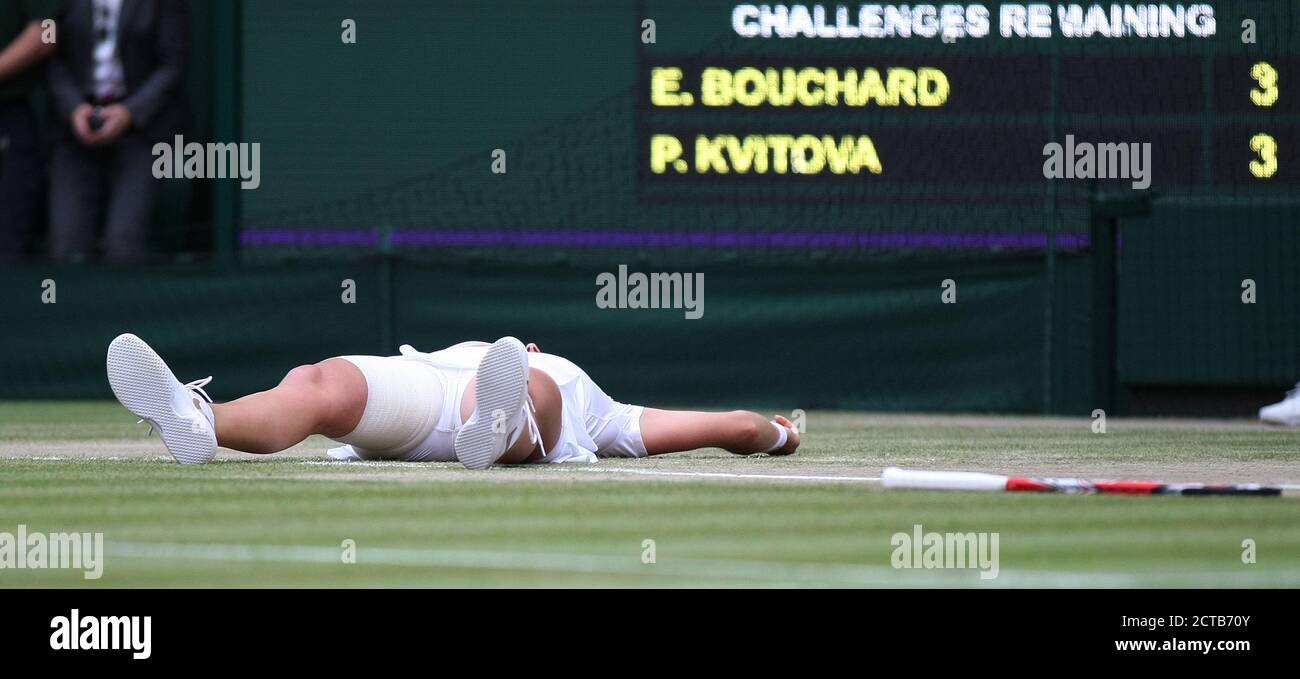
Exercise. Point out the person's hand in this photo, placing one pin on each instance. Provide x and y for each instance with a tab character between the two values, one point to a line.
532	348
81	124
791	441
117	120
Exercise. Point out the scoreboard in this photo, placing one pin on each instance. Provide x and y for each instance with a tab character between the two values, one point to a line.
638	122
794	100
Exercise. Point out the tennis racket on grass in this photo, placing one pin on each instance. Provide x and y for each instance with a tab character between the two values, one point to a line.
893	477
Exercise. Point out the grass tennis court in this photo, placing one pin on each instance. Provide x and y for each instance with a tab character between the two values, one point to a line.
282	520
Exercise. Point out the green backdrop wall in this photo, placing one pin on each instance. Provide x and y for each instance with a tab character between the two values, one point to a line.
438	85
875	337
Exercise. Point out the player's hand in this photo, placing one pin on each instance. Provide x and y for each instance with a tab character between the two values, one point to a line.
532	348
791	441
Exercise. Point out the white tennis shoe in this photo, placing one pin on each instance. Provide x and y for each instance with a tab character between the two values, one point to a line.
502	409
143	383
1286	412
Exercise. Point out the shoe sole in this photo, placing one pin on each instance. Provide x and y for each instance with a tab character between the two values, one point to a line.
1280	422
142	382
502	386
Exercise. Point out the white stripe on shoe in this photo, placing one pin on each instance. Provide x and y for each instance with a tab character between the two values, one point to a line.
143	383
500	394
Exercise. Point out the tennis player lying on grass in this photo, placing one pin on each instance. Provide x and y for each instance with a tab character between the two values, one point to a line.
474	402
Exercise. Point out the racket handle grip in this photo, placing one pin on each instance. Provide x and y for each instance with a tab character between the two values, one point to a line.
893	477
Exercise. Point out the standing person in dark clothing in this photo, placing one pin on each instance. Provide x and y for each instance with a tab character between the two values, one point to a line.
116	83
22	50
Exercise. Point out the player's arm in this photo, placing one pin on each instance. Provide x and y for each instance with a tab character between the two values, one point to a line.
24	51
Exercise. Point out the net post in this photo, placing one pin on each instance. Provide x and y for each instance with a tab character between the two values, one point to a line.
227	105
1105	212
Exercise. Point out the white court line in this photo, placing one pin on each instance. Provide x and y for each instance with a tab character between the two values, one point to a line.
728	475
74	458
367	463
690	571
1287	487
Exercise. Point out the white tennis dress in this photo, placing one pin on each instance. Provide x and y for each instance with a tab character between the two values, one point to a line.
593	424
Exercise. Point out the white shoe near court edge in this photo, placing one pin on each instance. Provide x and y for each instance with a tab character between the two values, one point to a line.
1286	412
143	383
502	410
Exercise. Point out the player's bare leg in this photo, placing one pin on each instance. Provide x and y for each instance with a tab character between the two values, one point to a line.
329	397
326	398
739	431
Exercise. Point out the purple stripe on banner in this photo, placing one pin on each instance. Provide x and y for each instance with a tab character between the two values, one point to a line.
302	237
282	237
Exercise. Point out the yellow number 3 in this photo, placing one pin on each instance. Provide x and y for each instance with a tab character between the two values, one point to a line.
1266	76
1266	147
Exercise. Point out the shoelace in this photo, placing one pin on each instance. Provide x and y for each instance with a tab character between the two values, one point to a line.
195	387
530	416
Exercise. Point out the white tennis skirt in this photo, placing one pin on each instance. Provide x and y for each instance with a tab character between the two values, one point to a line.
593	424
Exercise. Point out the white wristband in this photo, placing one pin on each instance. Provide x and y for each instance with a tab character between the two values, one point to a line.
782	435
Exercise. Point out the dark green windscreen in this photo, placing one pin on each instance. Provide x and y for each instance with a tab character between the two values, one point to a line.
822	287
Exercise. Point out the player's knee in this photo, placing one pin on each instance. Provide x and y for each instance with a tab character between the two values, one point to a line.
308	376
